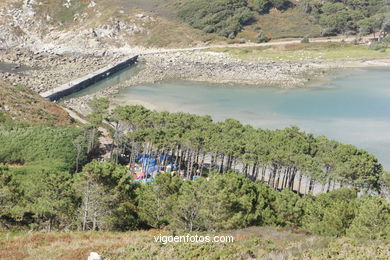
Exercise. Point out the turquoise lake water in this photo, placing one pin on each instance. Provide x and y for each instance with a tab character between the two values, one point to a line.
353	108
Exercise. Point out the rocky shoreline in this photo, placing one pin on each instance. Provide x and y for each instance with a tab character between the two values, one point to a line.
42	71
214	68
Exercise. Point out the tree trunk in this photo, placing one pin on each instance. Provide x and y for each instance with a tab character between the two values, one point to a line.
222	161
253	171
263	171
285	177
299	183
278	179
272	176
94	226
202	163
292	179
328	188
311	184
86	206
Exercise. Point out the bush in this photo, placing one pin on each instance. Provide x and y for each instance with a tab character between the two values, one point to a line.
224	17
305	40
372	219
262	38
378	46
41	196
38	143
331	213
262	6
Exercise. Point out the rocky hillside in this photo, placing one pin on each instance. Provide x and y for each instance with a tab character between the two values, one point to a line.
92	26
124	25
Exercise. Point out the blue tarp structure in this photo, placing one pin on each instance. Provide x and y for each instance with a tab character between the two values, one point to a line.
144	180
150	162
172	167
145	157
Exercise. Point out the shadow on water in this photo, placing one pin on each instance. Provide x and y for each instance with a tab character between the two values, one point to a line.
114	79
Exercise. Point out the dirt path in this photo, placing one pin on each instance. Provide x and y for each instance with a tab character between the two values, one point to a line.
252	44
105	139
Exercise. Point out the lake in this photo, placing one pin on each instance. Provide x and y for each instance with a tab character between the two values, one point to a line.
352	108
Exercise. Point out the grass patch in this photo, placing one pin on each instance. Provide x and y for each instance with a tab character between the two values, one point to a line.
253	243
277	24
168	33
305	51
59	13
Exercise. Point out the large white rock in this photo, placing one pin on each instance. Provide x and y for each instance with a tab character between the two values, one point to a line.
94	256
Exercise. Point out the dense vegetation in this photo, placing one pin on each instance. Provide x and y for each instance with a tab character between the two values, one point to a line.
351	16
104	197
42	191
228	17
281	158
225	17
21	144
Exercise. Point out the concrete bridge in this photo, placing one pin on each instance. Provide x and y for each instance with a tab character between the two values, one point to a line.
87	80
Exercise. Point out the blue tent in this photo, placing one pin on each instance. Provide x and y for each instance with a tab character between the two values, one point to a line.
168	158
172	167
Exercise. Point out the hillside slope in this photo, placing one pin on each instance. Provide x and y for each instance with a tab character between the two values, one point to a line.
89	26
250	243
22	104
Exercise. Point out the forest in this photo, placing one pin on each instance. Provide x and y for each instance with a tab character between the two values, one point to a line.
280	158
228	17
231	176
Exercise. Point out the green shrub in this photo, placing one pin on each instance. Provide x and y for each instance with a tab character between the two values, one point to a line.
262	38
38	195
330	213
224	17
372	219
41	143
305	40
262	6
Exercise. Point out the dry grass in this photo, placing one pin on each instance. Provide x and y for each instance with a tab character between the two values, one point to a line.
306	51
166	29
27	106
255	242
290	23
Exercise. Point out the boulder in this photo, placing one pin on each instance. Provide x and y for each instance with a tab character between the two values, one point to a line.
94	256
